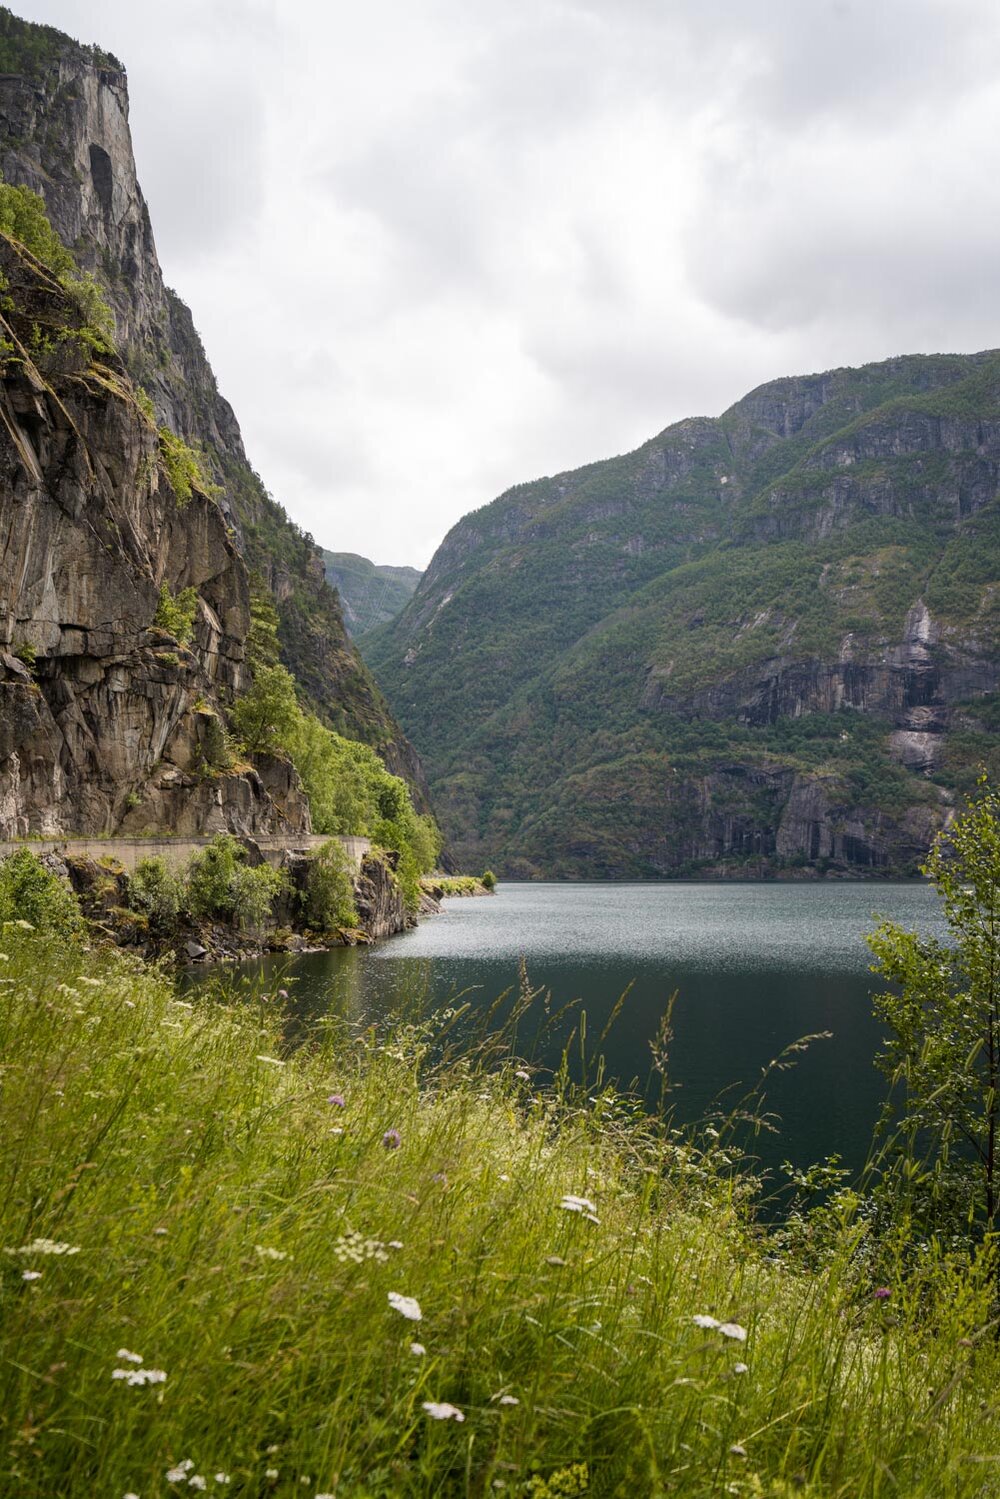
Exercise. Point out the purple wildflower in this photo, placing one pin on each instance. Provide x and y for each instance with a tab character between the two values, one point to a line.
883	1293
282	993
392	1139
338	1100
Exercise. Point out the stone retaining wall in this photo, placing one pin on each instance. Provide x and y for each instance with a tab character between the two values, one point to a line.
177	851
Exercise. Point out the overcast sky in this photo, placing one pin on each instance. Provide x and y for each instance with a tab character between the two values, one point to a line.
438	247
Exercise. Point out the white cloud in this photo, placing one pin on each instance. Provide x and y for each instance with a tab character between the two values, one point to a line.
436	247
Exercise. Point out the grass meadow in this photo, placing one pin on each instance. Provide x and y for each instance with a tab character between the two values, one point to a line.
350	1269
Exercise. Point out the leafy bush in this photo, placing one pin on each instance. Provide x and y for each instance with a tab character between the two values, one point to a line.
156	890
184	468
221	884
30	892
489	879
23	217
328	899
176	615
266	717
943	1055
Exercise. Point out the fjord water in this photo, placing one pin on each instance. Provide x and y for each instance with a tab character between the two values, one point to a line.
755	967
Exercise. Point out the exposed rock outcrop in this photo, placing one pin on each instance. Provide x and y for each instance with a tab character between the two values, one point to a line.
103	714
64	132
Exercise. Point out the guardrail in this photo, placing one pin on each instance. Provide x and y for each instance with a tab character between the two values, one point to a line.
176	851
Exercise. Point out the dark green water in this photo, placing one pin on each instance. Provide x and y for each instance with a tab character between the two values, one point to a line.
755	966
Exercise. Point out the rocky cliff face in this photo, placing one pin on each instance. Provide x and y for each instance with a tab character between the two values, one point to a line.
106	722
64	132
766	642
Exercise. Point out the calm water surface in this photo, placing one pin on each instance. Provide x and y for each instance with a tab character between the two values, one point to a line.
755	968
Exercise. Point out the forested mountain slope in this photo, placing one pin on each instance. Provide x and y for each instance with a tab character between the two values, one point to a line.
370	593
760	642
64	133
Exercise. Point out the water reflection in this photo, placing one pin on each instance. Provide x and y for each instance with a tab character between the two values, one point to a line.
755	967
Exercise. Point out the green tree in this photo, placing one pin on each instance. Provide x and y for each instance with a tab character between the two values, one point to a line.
943	1056
154	890
176	614
221	884
267	716
328	898
30	892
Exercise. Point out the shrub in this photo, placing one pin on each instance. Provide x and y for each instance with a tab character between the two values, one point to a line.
23	217
30	892
489	879
155	890
944	1052
266	716
328	898
221	884
183	468
176	615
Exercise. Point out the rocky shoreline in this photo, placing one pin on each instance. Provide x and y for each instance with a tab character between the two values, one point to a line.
102	887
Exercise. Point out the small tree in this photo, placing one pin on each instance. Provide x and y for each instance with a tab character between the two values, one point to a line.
944	1013
30	892
328	897
267	716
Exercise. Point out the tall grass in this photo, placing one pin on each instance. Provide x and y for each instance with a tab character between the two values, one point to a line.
239	1217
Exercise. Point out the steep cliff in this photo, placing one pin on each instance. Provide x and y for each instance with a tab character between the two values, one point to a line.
107	721
64	132
769	641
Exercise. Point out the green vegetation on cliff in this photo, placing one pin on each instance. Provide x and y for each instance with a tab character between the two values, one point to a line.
28	48
758	642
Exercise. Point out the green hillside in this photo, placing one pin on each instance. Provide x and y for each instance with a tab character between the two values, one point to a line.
370	594
756	644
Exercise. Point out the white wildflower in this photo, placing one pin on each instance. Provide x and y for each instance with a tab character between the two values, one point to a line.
441	1410
265	1252
130	1496
140	1376
180	1473
395	1244
733	1330
31	1274
508	1400
222	1477
132	1358
701	1320
524	1076
92	983
741	1368
418	1350
271	1473
196	1481
406	1306
351	1246
159	1232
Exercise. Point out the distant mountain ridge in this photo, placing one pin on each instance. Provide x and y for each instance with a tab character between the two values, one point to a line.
370	593
764	642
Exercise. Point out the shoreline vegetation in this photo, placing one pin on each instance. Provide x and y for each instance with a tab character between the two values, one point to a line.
373	1261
